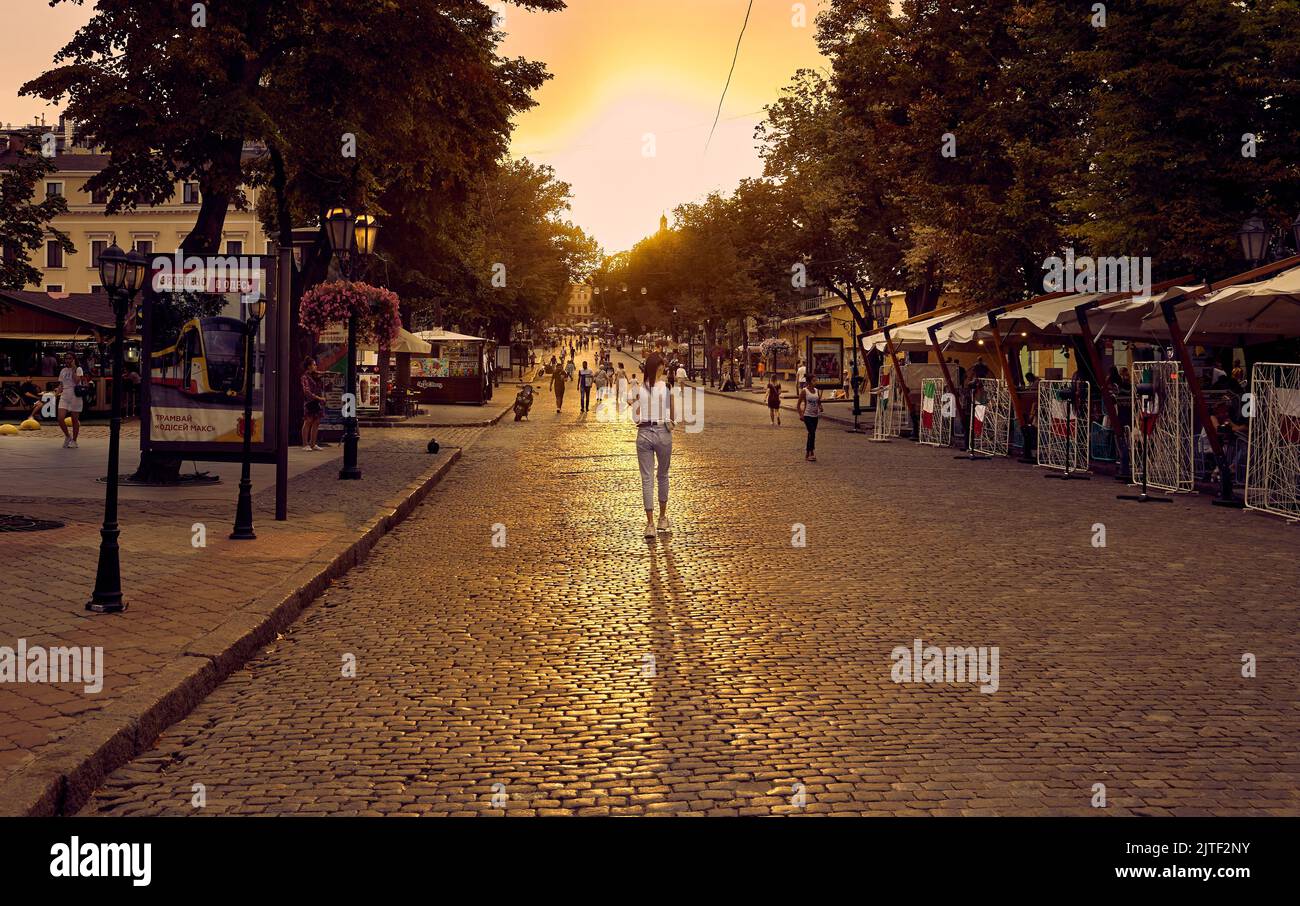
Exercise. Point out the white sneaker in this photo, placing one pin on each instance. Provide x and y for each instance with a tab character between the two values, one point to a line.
314	448
664	524
67	443
72	445
306	449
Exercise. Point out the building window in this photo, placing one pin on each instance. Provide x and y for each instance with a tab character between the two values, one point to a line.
53	254
144	245
96	288
54	288
99	196
190	193
97	247
235	247
54	190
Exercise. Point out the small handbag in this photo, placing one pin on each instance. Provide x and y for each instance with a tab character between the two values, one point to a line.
81	391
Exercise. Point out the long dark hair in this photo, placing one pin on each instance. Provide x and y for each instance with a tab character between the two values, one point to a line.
652	365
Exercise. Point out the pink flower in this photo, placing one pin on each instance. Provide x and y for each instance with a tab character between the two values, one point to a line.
377	310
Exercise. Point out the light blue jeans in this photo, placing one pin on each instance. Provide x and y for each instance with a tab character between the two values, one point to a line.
654	442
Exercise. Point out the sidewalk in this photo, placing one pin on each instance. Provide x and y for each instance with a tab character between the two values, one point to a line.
195	613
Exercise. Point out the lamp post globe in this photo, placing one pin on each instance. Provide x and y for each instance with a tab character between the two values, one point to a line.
366	233
112	268
1253	237
340	228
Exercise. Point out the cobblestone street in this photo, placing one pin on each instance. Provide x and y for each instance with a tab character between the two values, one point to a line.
723	670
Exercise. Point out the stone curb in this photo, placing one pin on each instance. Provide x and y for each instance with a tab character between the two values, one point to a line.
62	779
487	423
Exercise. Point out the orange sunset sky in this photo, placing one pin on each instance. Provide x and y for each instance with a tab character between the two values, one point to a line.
628	75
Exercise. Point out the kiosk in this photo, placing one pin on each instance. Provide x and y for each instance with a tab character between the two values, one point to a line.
452	372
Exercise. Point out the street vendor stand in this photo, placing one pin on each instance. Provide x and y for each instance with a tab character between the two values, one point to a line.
38	330
452	372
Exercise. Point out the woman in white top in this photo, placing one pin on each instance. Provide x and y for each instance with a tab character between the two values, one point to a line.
653	412
810	409
70	405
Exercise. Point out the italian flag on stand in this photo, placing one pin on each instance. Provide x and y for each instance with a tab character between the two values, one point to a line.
927	406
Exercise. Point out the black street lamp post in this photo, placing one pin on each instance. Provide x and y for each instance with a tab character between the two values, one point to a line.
351	239
122	275
244	509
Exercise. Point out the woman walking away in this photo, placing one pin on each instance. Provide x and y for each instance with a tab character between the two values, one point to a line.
652	408
810	409
313	404
72	378
558	380
774	400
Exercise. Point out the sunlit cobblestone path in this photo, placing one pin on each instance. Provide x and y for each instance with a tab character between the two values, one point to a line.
724	671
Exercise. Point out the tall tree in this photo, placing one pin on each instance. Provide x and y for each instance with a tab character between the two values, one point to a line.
25	224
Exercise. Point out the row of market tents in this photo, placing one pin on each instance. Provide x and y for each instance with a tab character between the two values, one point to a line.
1157	422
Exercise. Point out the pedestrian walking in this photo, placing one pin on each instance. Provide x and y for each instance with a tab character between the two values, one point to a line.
774	400
620	388
558	380
73	381
800	375
313	404
653	413
810	410
585	378
570	369
681	375
601	381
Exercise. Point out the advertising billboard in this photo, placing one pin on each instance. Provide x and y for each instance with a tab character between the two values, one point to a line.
826	362
195	351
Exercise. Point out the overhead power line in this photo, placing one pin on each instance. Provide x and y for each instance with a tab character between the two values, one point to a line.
734	58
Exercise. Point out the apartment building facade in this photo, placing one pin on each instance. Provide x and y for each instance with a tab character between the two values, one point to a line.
151	229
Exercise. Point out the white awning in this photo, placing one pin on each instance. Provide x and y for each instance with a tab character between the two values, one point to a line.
446	336
1262	310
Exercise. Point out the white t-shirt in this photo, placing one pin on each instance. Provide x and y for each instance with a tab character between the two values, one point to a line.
681	373
799	376
651	404
69	379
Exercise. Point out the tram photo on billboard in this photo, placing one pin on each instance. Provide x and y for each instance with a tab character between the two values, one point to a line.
197	349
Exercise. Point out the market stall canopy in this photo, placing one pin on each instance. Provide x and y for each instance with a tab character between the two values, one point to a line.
71	316
1243	313
1126	319
910	335
446	336
406	342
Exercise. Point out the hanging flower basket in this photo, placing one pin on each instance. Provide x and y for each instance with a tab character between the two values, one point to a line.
376	308
773	345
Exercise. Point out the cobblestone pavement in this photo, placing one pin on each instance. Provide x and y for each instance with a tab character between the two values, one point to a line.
176	592
721	670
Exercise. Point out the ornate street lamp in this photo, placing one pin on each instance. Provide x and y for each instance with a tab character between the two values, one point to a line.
351	239
244	508
880	310
122	276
